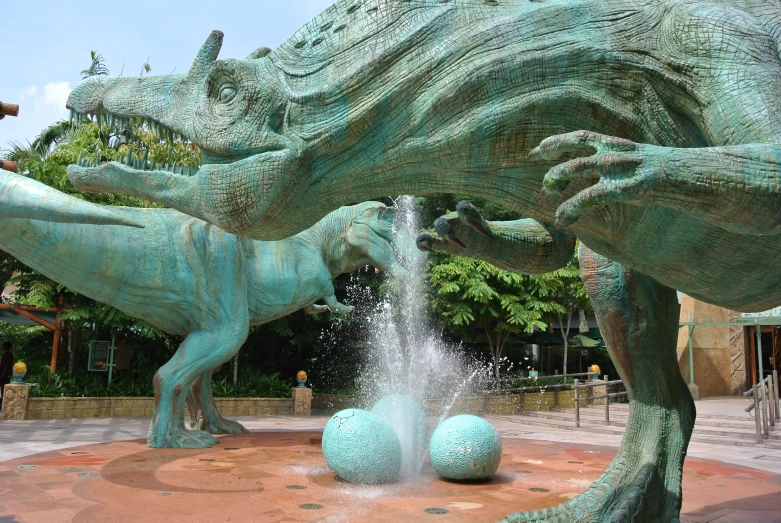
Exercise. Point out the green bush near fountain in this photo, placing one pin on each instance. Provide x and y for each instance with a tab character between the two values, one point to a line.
408	421
465	447
360	447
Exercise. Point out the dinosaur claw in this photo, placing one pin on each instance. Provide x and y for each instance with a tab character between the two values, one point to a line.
535	154
471	216
424	242
453	238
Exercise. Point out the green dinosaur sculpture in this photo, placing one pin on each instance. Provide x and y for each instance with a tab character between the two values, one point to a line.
675	184
190	278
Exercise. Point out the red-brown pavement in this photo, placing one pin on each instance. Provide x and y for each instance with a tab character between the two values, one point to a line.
282	477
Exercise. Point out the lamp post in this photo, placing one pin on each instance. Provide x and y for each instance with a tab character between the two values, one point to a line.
111	349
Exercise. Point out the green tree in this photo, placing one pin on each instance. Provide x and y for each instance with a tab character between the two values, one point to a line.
565	288
469	293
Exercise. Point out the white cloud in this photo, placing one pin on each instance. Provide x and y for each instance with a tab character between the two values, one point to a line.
48	102
55	94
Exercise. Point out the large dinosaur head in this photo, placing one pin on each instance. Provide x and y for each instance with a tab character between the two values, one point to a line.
234	110
231	109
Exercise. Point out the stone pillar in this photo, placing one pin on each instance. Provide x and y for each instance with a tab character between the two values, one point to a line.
737	349
712	354
15	401
599	390
302	401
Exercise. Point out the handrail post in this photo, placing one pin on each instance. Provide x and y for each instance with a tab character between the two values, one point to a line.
771	401
775	389
757	413
555	389
763	399
607	400
577	403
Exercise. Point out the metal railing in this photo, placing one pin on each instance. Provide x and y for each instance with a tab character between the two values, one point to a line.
590	397
765	396
556	387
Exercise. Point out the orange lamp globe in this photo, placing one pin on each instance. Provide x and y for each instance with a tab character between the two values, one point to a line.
20	367
301	375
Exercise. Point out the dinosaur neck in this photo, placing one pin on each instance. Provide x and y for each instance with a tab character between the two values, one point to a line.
327	235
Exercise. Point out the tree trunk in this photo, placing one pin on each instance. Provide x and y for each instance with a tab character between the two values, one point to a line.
74	339
565	333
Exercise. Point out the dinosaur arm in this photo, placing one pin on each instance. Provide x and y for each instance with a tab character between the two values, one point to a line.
222	194
737	188
339	308
314	308
526	246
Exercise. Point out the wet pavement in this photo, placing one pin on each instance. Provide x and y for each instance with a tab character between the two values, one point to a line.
278	476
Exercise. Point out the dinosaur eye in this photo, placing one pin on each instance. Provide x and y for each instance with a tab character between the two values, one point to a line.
227	93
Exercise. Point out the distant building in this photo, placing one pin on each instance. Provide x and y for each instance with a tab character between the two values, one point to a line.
725	356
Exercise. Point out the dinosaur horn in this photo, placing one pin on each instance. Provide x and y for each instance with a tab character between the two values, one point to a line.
206	56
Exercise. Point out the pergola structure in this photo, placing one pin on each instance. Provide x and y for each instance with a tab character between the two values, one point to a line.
27	311
7	109
760	321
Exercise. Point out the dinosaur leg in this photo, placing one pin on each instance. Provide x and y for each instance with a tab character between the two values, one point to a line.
639	320
195	356
207	416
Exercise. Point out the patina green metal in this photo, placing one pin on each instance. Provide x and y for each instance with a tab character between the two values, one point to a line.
192	279
648	129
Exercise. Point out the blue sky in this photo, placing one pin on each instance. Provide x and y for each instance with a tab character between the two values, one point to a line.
47	43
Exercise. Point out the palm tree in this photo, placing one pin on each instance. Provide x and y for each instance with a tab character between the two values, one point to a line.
97	67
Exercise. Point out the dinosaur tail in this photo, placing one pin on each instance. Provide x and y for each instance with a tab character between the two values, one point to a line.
25	198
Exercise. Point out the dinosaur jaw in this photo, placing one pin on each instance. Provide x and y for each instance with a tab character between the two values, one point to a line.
138	160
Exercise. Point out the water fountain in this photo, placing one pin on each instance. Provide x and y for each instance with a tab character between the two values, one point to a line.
407	362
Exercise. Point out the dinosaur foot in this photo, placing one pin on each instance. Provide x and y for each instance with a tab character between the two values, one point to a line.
220	425
613	498
180	438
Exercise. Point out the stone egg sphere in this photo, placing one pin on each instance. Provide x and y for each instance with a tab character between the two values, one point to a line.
465	447
360	447
409	422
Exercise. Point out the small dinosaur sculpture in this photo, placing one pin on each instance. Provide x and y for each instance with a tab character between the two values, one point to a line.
648	129
190	278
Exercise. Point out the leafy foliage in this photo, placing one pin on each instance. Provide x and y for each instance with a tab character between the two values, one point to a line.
471	294
97	66
252	385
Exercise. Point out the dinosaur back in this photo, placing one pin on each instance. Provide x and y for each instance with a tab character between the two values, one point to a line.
352	35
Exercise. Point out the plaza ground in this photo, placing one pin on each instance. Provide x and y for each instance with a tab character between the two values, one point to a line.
99	469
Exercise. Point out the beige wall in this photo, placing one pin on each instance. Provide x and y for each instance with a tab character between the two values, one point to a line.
51	408
718	353
509	404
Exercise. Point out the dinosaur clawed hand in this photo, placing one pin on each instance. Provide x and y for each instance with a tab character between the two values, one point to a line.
622	171
457	233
